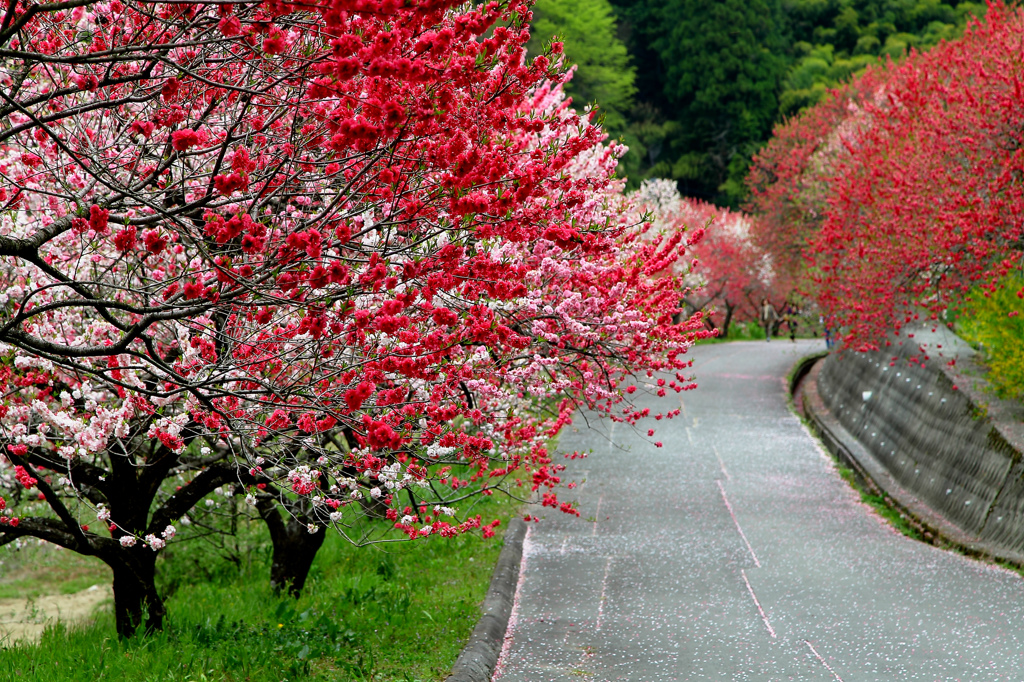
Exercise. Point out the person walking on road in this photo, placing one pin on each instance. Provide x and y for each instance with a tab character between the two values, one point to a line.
768	318
790	313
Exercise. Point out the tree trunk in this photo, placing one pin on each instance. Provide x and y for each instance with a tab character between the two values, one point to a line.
294	551
135	595
728	319
294	547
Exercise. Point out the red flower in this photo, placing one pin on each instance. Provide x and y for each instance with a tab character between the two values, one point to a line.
125	240
230	26
193	290
98	218
170	89
183	139
144	128
155	243
276	42
226	184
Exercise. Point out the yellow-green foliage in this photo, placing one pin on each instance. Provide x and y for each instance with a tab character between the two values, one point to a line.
996	322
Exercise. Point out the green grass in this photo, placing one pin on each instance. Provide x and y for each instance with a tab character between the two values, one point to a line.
752	331
739	331
399	611
883	506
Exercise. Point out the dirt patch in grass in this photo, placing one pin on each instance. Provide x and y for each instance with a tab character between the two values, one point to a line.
36	569
25	619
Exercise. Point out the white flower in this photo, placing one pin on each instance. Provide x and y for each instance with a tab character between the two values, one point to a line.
427	529
169	532
435	451
312	528
127	541
406	520
103	514
154	542
375	493
336	516
250	500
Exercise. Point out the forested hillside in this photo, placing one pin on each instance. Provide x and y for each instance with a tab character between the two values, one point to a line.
705	82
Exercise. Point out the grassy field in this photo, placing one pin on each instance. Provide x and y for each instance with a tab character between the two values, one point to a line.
399	611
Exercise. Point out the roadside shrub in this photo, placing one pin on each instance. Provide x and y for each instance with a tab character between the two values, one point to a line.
994	320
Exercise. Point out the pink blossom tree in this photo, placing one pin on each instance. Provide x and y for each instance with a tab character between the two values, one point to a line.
332	256
728	274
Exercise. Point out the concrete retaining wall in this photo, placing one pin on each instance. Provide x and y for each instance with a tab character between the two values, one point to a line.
933	439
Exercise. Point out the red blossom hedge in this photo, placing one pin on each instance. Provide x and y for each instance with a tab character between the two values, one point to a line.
904	190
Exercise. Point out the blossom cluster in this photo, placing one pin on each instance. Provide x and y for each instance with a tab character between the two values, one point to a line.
726	271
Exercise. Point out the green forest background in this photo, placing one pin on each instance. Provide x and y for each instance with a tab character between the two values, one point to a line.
694	87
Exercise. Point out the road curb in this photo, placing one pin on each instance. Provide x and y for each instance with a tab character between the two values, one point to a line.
478	659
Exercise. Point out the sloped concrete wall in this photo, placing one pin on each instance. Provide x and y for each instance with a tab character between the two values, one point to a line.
933	439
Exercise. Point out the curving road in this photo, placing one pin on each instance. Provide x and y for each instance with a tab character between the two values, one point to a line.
737	553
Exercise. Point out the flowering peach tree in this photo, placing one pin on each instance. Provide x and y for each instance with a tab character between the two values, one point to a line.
903	192
337	258
727	273
790	179
928	206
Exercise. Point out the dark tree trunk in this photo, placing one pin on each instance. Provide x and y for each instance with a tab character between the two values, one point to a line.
293	557
294	548
729	309
136	602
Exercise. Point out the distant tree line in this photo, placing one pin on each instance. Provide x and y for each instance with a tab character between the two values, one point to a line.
694	88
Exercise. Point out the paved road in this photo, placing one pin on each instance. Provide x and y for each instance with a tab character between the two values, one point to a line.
737	553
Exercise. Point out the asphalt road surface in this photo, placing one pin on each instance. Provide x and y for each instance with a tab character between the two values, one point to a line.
736	552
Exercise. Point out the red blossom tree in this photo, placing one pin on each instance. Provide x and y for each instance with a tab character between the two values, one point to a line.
334	256
790	178
904	190
928	204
